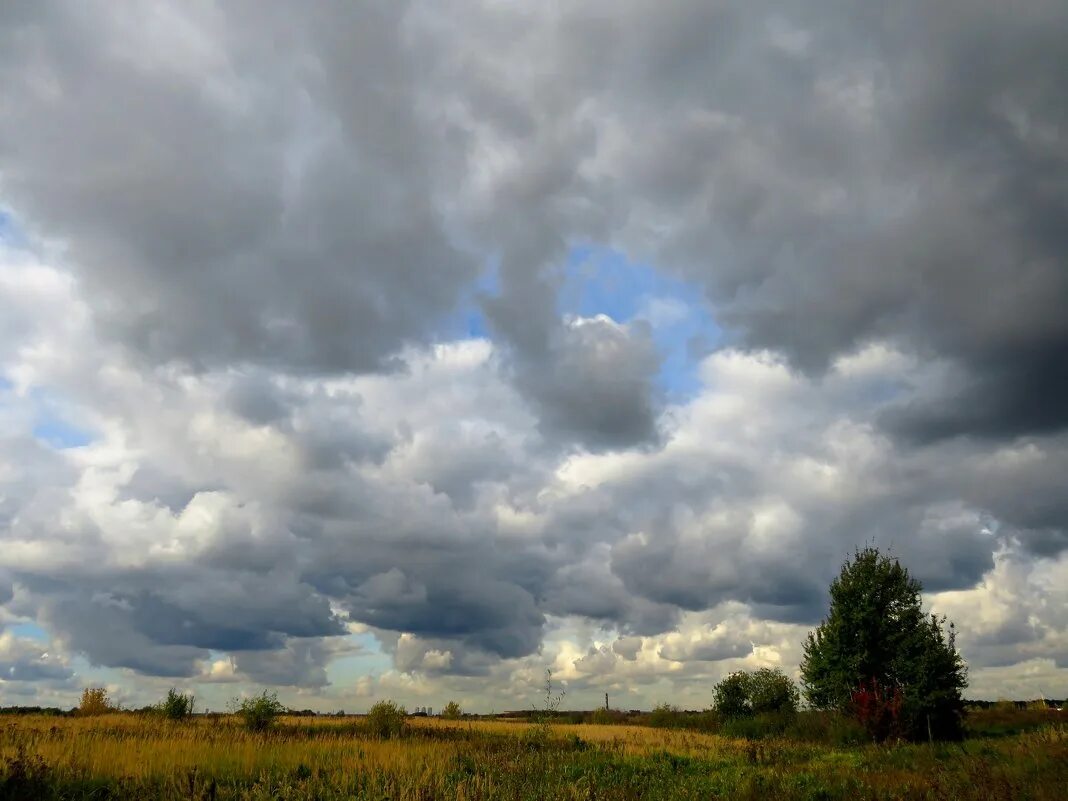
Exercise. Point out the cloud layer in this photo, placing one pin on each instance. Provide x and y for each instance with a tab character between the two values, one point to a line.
245	440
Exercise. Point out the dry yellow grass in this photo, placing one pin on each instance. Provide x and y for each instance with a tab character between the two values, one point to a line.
134	756
134	745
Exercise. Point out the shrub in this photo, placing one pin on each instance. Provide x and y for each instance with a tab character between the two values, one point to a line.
95	701
258	712
766	691
176	706
386	719
452	711
878	709
666	716
758	726
603	717
832	728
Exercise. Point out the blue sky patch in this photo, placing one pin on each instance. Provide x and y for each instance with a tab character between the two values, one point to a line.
52	423
599	280
371	660
60	434
29	631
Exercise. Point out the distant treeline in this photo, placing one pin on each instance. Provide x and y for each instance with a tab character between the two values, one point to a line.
1052	703
563	716
35	710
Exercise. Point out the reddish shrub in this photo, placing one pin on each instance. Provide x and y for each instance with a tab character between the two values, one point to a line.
878	710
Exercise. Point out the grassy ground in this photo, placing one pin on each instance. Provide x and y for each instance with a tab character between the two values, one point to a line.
124	756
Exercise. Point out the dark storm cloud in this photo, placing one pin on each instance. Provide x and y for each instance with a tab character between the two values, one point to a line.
263	185
239	184
165	630
833	173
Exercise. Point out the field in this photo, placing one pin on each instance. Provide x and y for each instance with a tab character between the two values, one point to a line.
131	756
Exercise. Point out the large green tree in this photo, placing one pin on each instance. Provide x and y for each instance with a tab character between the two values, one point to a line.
877	634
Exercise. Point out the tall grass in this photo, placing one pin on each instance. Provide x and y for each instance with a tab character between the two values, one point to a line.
126	756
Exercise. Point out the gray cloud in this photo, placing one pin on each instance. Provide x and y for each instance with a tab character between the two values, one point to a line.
255	221
23	660
235	193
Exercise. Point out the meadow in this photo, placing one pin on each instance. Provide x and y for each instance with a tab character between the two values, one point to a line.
1021	755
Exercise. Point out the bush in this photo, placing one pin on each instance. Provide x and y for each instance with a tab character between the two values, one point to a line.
765	692
452	711
386	720
95	701
604	717
878	710
758	726
258	712
667	716
176	706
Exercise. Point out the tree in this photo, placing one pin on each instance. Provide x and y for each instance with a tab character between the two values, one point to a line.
730	698
767	691
877	642
772	691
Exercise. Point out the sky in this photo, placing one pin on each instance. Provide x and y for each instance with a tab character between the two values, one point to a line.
410	349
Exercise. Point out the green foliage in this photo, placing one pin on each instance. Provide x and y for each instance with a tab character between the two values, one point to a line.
667	716
876	630
758	726
259	711
386	720
452	711
605	717
767	691
773	692
176	706
730	698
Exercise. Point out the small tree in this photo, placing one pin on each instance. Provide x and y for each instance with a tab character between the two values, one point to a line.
258	712
176	706
767	691
95	701
730	697
386	719
772	691
452	711
876	637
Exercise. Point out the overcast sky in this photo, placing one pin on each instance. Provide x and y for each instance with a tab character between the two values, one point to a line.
407	349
